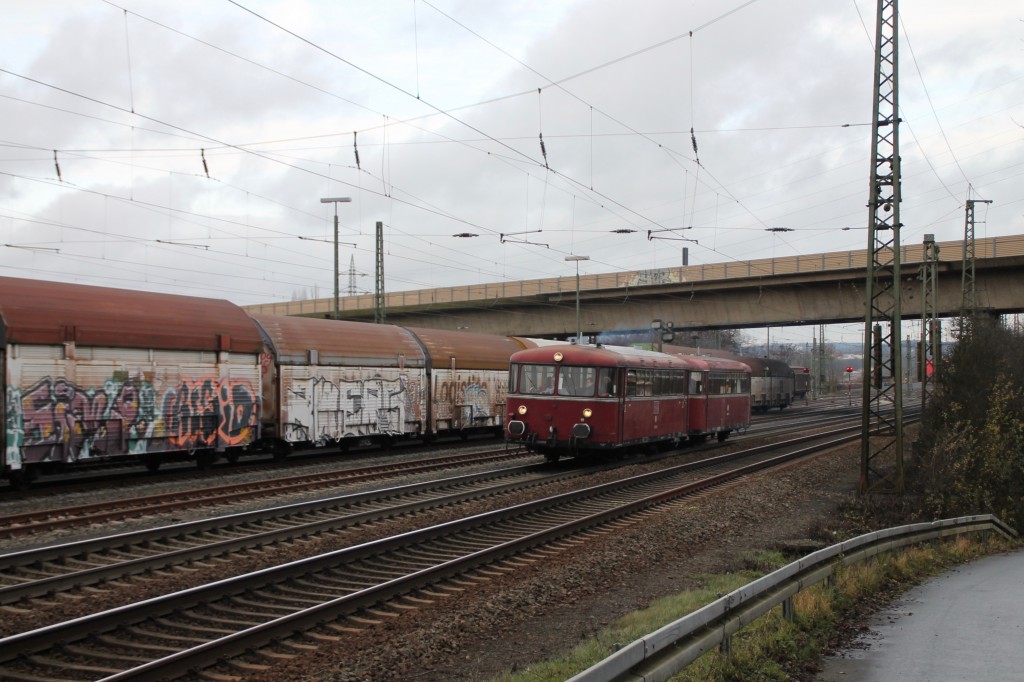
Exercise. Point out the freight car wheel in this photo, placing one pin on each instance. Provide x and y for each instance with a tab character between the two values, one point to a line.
22	478
152	464
722	435
205	460
281	450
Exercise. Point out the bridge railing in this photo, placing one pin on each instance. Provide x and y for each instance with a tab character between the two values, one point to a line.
991	247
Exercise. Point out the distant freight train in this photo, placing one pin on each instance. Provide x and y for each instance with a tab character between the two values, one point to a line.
93	373
801	382
773	383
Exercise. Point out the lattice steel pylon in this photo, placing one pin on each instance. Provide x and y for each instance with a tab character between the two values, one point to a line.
882	419
930	349
352	276
969	300
378	289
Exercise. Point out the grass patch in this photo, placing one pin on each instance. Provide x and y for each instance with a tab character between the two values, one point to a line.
772	649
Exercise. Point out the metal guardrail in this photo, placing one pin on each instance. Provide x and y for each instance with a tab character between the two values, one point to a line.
666	651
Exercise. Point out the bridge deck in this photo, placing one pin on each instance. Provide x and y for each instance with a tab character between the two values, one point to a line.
911	255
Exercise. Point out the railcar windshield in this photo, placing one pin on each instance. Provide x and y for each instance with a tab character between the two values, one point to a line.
536	379
576	381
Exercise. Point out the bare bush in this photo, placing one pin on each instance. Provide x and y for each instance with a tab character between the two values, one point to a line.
971	449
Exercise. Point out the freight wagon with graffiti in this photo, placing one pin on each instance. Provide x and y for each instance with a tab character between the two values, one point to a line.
95	374
336	381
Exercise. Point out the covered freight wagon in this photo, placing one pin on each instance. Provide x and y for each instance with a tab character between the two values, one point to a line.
94	373
331	380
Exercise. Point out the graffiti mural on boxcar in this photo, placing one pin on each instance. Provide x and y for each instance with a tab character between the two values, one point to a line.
59	420
58	417
475	404
14	429
322	409
206	413
239	414
473	399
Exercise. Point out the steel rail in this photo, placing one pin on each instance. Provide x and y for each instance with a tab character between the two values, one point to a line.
40	521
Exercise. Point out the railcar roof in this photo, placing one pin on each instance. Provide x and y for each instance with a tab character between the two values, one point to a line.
614	356
340	342
715	364
48	313
468	350
702	352
758	366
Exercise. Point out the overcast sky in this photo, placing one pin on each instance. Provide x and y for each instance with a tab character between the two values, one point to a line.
195	139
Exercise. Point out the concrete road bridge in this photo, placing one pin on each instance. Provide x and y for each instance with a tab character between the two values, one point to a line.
796	290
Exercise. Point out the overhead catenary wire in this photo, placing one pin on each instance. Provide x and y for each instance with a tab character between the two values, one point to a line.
551	135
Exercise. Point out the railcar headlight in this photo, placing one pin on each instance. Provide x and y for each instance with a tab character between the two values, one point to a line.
587	412
522	409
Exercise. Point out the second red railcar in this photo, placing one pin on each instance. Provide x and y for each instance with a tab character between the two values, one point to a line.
719	397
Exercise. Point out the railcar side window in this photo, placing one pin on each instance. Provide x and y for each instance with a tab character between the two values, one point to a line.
537	379
728	382
631	382
576	381
656	382
513	376
606	383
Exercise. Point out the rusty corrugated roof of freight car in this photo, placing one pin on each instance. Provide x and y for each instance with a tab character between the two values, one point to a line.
469	350
38	312
340	342
710	363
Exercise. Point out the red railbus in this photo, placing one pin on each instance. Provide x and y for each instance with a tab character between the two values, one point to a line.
567	400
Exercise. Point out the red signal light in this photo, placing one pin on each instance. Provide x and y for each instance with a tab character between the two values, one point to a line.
849	369
807	370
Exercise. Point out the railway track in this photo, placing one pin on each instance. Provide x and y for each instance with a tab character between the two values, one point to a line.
50	570
35	522
325	596
25	524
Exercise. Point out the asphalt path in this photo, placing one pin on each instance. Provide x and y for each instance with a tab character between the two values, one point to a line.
967	624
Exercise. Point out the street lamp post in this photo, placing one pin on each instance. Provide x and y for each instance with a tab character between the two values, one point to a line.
335	201
577	259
